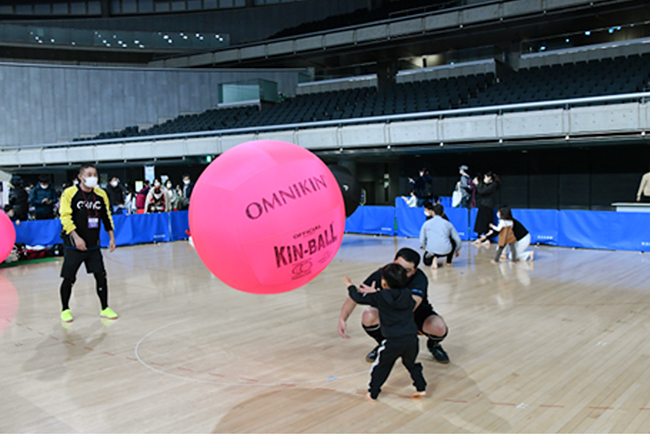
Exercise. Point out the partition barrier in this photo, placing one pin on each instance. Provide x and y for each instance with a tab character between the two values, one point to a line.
585	229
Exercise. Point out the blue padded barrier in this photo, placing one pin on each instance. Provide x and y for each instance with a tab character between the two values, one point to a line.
372	219
543	224
129	229
585	229
39	232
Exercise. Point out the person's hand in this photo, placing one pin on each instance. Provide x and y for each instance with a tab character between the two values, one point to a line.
79	242
457	254
638	198
347	281
343	329
111	245
365	289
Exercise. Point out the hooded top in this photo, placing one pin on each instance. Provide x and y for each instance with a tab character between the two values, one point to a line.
395	311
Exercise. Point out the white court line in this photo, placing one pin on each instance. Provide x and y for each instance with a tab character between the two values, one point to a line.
198	380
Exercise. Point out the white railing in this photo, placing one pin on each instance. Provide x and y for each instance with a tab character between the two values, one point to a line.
638	96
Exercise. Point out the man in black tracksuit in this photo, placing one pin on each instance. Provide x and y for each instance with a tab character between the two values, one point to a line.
395	305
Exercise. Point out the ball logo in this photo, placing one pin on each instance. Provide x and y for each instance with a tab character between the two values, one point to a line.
287	255
301	269
255	210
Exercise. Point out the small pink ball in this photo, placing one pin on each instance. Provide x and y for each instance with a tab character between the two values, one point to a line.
7	236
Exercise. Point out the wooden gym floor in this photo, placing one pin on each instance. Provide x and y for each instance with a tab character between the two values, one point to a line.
559	345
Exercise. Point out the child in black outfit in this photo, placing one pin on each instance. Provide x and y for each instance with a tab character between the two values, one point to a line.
395	305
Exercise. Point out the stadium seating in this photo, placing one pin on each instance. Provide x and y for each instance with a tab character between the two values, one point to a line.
583	79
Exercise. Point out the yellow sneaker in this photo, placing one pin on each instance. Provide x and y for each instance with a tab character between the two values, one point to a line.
66	316
108	313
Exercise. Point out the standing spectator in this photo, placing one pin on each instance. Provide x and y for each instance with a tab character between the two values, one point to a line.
157	199
141	197
172	194
116	191
188	186
487	189
465	187
43	197
18	199
423	187
439	238
643	195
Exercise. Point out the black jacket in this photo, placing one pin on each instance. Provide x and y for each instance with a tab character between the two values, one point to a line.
395	311
488	193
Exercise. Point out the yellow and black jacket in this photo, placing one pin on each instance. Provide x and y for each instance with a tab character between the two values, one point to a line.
77	208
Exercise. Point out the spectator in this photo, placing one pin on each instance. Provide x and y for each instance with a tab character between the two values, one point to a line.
18	199
439	238
43	197
643	195
487	189
116	191
423	187
172	194
157	199
141	197
465	187
188	186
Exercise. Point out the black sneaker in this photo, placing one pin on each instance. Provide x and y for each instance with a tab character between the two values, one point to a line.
372	356
437	352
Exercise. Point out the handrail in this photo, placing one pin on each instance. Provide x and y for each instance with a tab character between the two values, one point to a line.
339	122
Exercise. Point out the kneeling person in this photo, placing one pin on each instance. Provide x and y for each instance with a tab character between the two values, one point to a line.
395	305
82	209
429	323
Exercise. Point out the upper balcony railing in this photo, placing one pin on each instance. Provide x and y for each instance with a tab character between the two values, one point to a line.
640	97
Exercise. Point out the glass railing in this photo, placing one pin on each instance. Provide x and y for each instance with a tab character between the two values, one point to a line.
112	39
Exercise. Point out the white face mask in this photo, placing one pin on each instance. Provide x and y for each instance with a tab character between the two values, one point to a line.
114	183
90	182
156	184
44	186
186	181
169	186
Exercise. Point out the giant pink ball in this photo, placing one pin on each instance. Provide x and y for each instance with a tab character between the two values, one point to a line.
7	236
266	217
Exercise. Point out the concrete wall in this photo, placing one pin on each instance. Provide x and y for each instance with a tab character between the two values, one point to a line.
48	104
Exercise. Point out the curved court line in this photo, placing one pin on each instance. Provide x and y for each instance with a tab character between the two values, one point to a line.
227	383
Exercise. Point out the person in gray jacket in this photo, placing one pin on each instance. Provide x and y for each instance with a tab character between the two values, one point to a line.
439	238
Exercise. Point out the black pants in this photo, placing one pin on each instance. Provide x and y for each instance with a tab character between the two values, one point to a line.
430	257
387	354
92	259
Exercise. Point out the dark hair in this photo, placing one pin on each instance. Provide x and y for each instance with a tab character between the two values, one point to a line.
428	205
86	166
505	213
44	178
409	255
394	275
494	177
438	209
186	175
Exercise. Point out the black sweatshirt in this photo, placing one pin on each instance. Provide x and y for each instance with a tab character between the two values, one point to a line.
395	311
